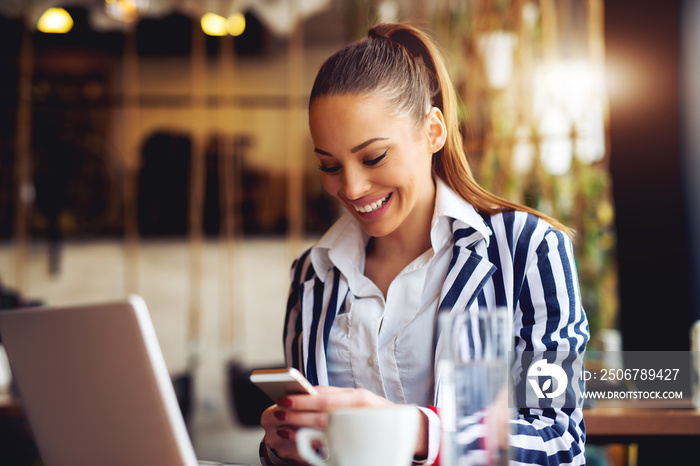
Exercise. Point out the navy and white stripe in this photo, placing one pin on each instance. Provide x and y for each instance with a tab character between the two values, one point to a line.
526	266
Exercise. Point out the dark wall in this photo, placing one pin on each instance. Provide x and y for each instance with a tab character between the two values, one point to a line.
643	50
690	109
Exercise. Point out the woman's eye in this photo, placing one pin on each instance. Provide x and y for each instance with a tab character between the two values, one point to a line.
375	161
333	169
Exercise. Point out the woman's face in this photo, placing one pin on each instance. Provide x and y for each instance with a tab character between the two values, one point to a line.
376	164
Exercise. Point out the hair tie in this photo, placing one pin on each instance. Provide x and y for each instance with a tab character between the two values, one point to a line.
375	35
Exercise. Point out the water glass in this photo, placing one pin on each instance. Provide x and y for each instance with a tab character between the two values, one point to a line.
474	372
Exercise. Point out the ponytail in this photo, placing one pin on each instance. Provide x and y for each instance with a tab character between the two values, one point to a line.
403	65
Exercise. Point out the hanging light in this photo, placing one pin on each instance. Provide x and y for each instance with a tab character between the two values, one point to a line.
523	150
125	10
497	48
55	21
568	96
214	25
236	24
388	11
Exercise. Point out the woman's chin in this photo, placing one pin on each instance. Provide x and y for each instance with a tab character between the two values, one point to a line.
377	229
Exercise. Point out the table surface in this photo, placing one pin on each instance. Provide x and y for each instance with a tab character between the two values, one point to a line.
640	419
602	420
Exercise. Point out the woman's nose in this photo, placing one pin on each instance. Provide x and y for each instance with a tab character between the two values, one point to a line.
355	183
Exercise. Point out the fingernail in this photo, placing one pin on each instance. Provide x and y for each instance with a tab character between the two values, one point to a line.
284	434
285	402
281	415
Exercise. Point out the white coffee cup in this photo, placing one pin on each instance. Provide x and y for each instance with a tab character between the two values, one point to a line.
384	436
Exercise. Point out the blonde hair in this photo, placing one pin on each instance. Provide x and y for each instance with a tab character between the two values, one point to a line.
403	65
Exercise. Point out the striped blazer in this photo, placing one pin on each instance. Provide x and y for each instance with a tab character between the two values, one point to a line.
526	266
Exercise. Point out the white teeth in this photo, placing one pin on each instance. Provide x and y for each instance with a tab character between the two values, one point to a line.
371	207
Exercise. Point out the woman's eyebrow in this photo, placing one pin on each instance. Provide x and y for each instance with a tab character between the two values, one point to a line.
354	149
322	152
365	144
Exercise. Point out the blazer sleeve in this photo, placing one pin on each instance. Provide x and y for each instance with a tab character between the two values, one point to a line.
292	334
549	318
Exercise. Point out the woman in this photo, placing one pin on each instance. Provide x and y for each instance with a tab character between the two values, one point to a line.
420	236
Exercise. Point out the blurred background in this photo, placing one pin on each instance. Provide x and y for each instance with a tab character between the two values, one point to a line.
161	147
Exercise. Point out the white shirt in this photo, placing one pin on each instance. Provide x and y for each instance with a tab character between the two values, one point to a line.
386	345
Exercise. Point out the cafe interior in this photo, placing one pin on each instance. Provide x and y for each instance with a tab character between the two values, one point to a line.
161	148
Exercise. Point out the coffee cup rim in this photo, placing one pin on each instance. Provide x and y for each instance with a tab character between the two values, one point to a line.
356	409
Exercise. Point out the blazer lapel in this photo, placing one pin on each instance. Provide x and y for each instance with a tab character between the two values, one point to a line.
468	271
466	277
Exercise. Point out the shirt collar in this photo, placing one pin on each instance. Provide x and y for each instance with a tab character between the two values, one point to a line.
343	245
451	206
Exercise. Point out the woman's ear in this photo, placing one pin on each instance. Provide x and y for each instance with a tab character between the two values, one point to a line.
437	132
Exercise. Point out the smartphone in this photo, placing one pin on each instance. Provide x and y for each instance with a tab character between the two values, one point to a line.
278	383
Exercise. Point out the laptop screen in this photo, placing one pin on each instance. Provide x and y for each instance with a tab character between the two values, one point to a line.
94	385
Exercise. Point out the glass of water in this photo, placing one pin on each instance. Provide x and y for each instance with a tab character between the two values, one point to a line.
474	369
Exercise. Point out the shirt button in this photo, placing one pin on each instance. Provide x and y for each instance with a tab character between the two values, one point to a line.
370	361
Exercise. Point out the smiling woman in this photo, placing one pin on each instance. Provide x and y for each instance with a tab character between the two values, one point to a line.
420	237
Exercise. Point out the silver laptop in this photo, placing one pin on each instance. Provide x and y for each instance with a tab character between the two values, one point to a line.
94	385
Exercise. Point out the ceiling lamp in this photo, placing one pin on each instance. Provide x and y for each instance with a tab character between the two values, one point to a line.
214	25
236	24
125	10
55	21
217	25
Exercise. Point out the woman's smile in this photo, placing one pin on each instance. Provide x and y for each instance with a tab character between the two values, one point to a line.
372	211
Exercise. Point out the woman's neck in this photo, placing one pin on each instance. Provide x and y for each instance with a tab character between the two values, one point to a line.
388	255
400	248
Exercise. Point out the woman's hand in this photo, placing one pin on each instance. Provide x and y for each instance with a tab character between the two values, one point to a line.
502	416
281	421
280	434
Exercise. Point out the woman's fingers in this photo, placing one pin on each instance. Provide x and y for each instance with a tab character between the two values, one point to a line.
329	398
281	425
270	419
275	417
279	435
314	419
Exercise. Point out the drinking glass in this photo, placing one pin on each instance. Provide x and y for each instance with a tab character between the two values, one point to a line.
474	369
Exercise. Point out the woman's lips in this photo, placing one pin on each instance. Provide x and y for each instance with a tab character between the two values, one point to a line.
372	206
